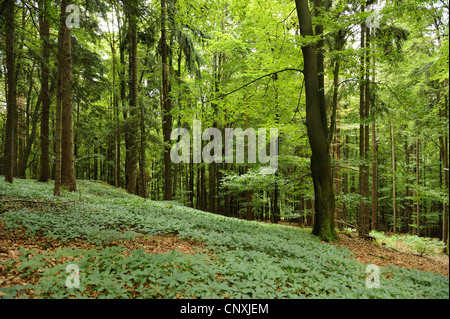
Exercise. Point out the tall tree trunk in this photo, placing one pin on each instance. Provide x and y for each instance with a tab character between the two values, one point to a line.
133	87
316	122
417	185
374	156
276	192
374	178
443	142
11	103
394	199
67	145
362	119
45	94
142	158
366	130
167	117
337	170
58	111
116	109
408	202
191	181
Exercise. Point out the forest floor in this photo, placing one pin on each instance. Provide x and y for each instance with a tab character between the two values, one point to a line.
12	244
128	247
368	252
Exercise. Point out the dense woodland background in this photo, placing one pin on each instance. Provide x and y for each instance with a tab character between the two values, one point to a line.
99	100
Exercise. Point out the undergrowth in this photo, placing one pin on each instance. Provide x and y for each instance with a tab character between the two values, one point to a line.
243	259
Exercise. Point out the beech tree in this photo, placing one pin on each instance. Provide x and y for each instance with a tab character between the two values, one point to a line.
317	126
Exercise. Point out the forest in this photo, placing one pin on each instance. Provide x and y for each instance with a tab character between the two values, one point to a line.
224	149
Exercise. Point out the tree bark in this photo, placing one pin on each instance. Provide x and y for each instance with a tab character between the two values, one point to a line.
317	133
167	117
11	102
133	87
374	157
417	185
45	96
67	145
116	109
443	141
362	117
394	204
366	131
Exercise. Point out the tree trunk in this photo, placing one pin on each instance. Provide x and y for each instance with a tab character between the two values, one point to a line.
317	133
142	158
374	156
58	111
394	204
116	109
408	202
167	117
374	178
11	103
67	145
362	118
417	185
133	88
45	96
443	141
366	131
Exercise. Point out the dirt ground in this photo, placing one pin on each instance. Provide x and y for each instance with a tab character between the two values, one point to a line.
368	252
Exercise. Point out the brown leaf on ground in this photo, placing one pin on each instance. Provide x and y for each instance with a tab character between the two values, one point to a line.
12	241
370	253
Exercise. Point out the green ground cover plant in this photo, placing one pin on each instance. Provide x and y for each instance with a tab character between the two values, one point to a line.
242	259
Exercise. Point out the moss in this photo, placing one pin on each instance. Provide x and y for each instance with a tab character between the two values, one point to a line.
325	232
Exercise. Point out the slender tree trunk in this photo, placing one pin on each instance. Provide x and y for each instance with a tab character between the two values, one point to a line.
11	103
374	156
443	141
408	203
116	109
142	159
374	178
362	118
45	94
191	181
133	87
167	117
67	145
58	111
366	131
394	201
417	182
337	171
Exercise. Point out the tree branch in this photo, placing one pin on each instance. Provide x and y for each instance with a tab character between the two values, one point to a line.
222	95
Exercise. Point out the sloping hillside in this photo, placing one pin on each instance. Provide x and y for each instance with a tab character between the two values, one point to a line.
128	247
